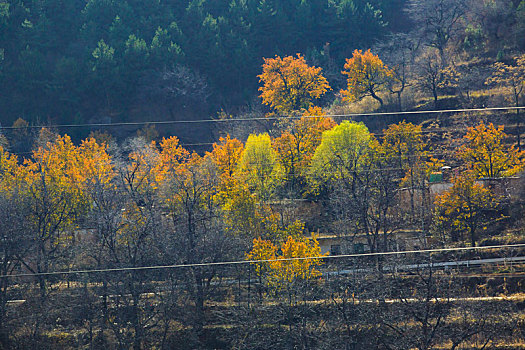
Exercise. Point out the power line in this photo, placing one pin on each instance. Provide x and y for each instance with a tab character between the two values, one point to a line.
244	262
229	120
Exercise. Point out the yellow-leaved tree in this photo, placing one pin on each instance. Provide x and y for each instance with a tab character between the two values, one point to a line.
341	155
283	267
290	84
366	75
189	191
96	164
287	272
465	209
486	155
56	200
243	214
226	156
404	147
239	191
297	146
259	166
9	171
263	251
15	235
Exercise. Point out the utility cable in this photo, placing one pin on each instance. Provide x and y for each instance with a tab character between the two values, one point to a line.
229	120
243	262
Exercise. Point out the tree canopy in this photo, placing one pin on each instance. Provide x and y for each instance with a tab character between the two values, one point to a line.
289	84
486	154
366	75
259	166
341	153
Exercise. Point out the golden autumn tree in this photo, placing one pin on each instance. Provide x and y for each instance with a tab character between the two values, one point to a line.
366	75
55	200
297	146
226	155
304	255
404	147
172	154
13	187
290	156
244	213
263	251
308	131
54	173
96	164
465	209
486	155
185	179
284	273
290	84
9	170
405	142
99	188
16	238
188	191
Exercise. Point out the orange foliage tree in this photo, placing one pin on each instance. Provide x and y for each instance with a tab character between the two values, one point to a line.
289	84
367	76
96	164
56	201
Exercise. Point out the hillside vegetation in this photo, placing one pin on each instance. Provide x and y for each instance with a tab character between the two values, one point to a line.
211	185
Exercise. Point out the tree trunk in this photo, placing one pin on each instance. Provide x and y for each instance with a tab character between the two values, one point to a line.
373	94
518	124
473	237
435	94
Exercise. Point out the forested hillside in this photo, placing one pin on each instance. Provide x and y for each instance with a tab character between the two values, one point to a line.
111	61
76	61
